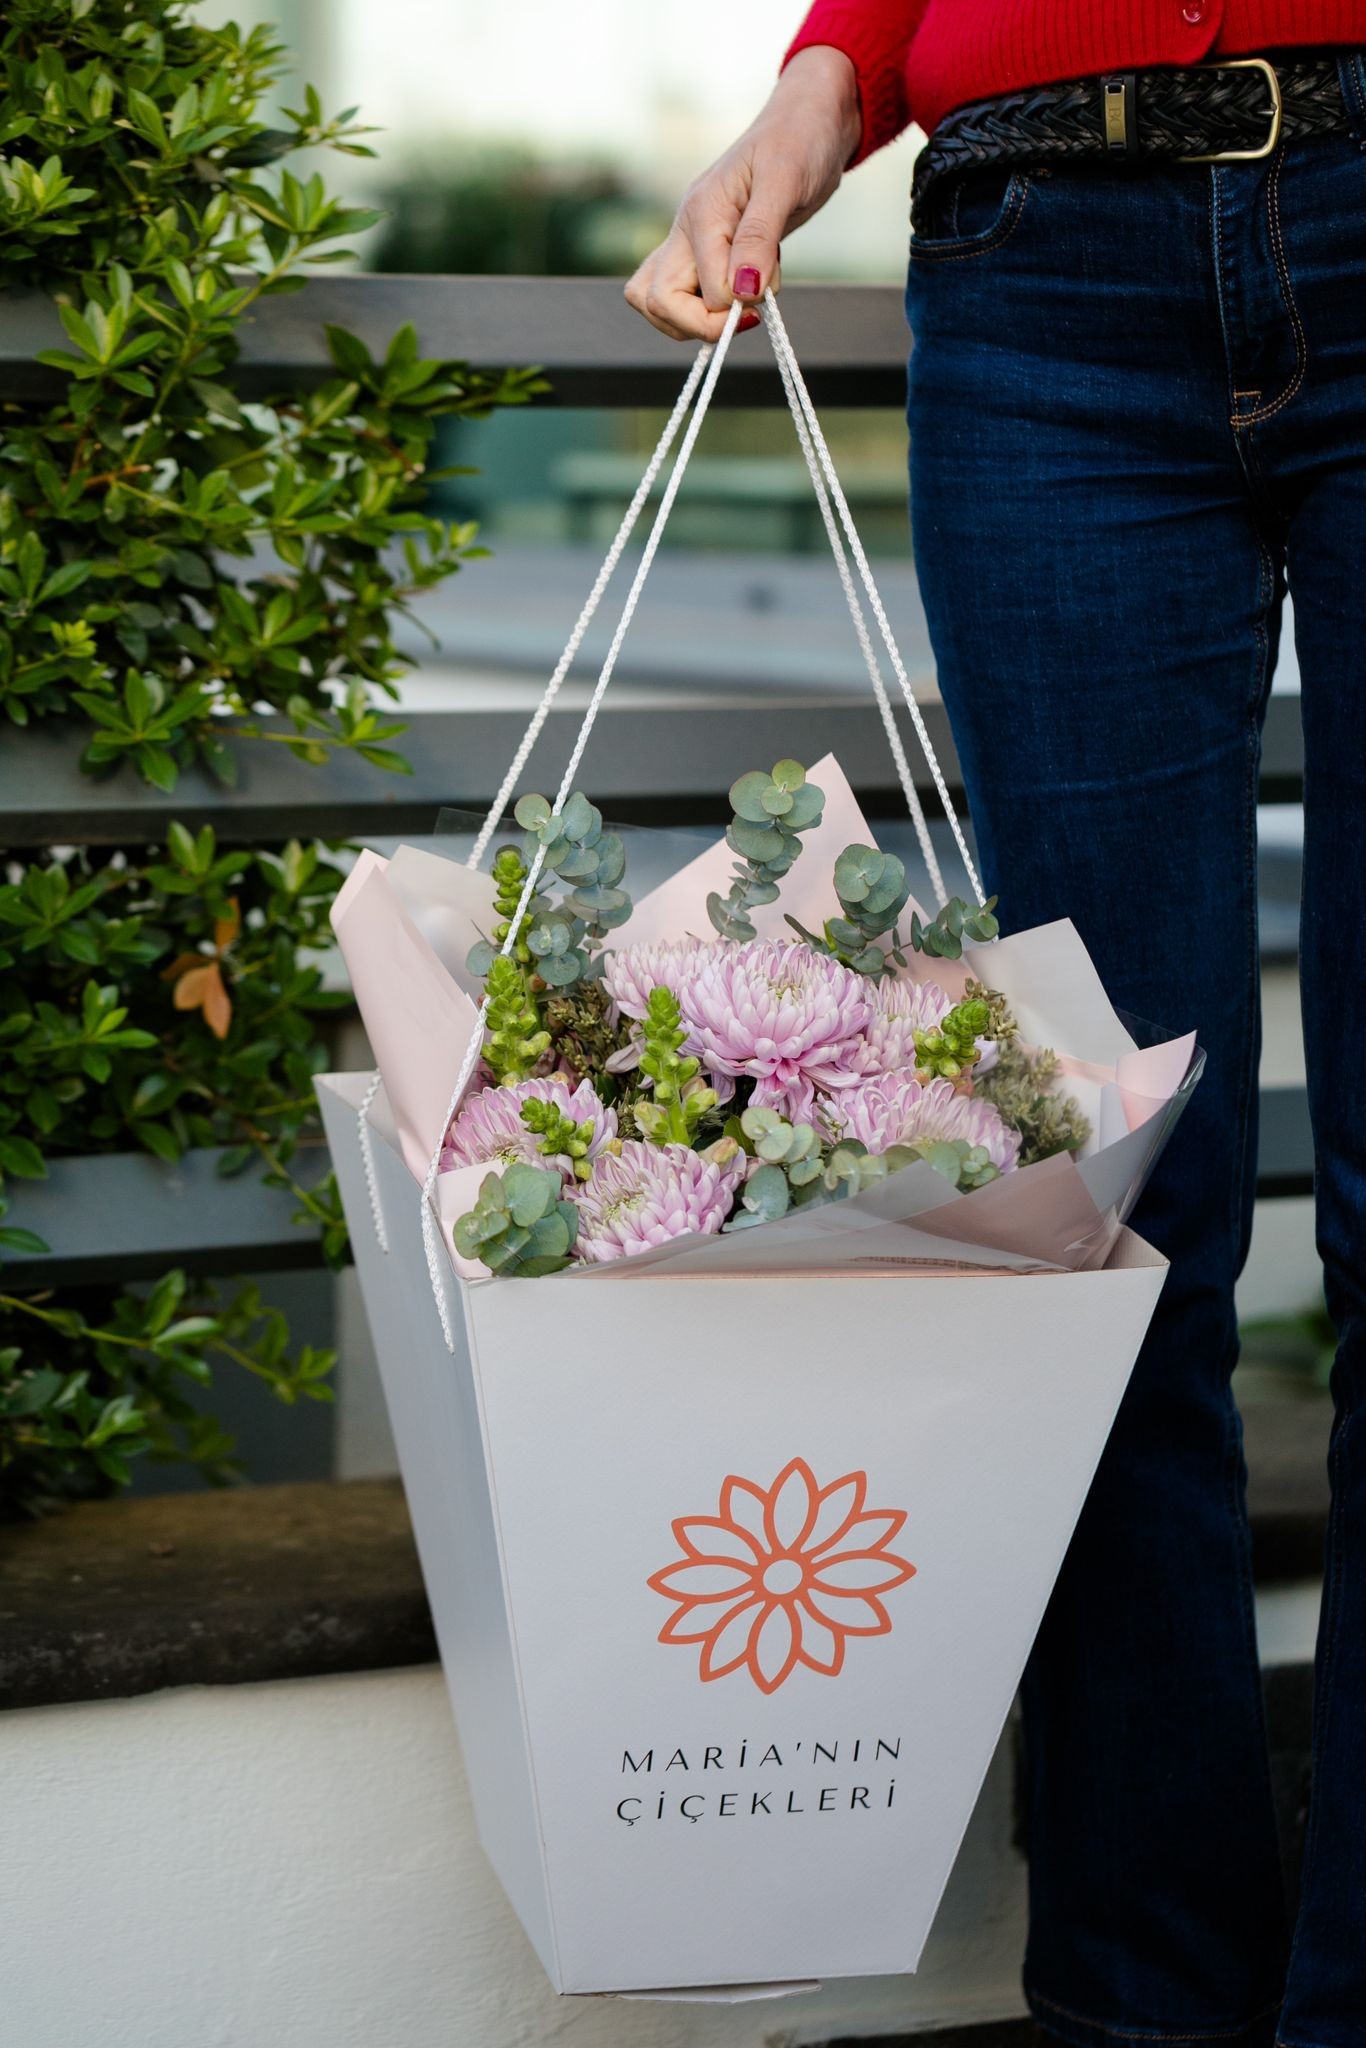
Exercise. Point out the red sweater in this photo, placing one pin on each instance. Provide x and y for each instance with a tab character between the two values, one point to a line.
918	58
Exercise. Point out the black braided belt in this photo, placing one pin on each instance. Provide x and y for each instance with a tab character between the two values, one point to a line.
1237	110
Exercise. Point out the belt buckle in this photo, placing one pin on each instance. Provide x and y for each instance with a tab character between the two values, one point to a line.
1246	156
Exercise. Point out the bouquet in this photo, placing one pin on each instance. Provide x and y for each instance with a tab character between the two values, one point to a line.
778	1040
771	1087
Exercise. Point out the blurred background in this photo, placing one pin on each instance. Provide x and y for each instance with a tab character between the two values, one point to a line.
556	141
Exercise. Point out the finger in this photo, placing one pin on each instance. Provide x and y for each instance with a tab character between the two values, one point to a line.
710	235
665	290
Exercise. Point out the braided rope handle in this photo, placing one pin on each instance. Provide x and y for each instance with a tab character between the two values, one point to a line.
713	362
834	507
783	347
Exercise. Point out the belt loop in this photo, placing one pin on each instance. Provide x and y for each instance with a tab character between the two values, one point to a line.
1352	78
1119	102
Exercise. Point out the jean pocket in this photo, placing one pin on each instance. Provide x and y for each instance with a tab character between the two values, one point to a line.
970	213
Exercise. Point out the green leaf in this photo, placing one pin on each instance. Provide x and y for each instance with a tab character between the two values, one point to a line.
63	581
188	1327
14	1238
181	846
21	1157
747	797
755	842
157	1139
579	818
34	1392
532	813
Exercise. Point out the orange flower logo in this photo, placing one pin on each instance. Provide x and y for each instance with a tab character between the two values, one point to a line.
783	1577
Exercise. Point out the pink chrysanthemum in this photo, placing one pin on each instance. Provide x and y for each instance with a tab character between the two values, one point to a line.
896	1109
900	1009
773	1009
488	1129
646	1195
629	974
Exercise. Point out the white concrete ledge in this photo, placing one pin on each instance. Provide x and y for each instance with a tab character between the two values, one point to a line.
294	1865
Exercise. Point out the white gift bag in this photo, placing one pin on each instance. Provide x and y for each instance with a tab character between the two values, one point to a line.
734	1571
655	1825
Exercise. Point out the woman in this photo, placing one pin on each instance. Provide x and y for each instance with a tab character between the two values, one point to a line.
1138	401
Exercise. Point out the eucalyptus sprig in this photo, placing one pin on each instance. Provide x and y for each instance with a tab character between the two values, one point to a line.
520	1225
789	1168
872	891
943	936
849	1167
770	812
581	851
965	1165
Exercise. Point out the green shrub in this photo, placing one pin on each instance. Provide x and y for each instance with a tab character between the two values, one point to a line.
188	565
174	557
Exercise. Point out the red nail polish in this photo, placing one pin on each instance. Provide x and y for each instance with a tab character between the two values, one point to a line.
747	320
746	284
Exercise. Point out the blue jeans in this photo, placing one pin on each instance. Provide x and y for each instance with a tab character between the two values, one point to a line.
1138	405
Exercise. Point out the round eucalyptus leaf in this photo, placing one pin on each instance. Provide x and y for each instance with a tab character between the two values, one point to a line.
754	842
765	1193
531	813
747	796
808	804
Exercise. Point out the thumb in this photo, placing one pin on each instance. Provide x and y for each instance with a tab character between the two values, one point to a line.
754	248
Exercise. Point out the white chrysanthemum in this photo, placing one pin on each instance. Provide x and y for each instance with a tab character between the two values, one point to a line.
896	1109
900	1009
488	1129
646	1195
790	1018
631	972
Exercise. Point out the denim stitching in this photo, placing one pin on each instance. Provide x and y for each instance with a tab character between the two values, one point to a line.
1351	73
1216	243
1273	214
1155	2033
946	252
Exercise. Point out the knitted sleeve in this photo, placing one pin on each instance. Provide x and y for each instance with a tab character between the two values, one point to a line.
875	35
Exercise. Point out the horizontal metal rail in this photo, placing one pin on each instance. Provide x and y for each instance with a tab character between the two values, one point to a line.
651	764
129	1216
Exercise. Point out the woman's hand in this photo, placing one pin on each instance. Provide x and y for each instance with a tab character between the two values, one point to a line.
724	243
